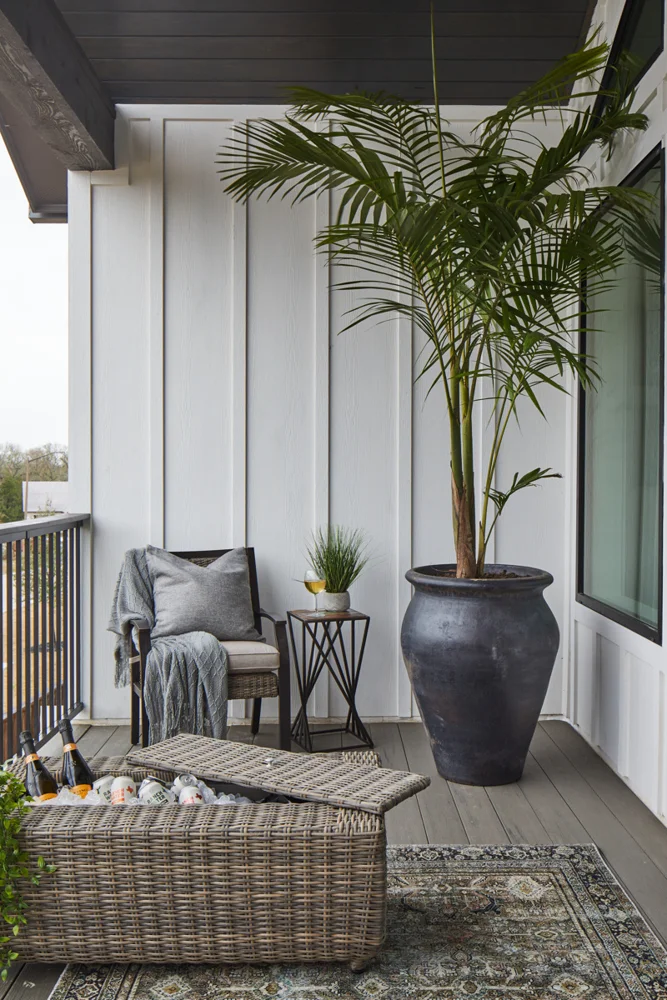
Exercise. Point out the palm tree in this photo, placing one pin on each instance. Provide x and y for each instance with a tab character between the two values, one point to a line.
483	243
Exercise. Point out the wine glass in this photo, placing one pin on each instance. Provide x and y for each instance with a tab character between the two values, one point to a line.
314	584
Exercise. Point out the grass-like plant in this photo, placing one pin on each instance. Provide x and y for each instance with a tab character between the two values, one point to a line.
14	869
482	242
338	555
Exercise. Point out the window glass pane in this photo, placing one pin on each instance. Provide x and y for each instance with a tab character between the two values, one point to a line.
639	39
622	435
644	37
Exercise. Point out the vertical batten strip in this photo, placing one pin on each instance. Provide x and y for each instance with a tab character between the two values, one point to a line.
662	747
80	279
404	393
239	407
156	483
321	406
239	328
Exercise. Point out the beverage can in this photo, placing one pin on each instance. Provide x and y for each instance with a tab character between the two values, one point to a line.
154	793
184	781
123	788
190	796
103	787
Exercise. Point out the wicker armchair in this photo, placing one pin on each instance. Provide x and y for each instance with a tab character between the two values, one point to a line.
256	670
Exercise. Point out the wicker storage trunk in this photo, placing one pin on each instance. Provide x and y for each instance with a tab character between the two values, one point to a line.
268	882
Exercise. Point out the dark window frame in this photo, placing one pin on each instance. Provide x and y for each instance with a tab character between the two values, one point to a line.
655	158
626	24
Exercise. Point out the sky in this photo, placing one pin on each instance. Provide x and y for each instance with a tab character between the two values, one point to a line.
33	324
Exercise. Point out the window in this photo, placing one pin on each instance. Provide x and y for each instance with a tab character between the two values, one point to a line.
620	475
639	38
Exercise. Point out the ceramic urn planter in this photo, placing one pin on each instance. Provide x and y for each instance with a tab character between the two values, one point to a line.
479	653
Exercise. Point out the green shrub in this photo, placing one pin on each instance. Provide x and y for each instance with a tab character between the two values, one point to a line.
14	869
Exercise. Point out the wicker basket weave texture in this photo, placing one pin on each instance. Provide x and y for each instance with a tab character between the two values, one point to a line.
260	685
316	777
294	882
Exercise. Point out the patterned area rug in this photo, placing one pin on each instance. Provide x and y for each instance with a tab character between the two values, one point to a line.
508	923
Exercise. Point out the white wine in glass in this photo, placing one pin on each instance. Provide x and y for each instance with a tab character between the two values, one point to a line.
314	584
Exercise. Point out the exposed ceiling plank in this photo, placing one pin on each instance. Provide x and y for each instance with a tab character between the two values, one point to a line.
46	76
349	72
336	7
192	22
259	47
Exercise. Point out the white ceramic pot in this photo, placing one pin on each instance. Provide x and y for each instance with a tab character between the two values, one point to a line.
334	602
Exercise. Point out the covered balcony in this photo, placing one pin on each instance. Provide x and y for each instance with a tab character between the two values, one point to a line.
214	402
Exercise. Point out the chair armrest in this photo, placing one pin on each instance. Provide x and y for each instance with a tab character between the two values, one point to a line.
274	619
141	625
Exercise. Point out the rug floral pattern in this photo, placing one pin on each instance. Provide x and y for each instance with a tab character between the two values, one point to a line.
489	923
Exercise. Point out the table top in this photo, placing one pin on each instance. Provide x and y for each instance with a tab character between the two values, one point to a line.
329	616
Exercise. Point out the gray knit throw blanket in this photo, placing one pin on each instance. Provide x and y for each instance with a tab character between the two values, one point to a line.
185	687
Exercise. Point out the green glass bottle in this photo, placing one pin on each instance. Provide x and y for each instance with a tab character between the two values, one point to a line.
39	781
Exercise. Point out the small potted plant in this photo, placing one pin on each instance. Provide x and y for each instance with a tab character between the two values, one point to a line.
337	555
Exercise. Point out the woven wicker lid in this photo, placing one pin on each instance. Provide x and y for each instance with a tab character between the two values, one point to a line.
314	777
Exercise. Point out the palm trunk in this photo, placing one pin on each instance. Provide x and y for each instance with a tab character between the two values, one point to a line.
463	497
466	564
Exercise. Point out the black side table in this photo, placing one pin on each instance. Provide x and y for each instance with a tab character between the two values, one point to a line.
326	642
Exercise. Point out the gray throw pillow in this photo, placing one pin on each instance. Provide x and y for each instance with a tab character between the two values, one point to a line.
190	598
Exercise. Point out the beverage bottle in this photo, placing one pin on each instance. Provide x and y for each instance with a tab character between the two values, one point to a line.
39	781
76	774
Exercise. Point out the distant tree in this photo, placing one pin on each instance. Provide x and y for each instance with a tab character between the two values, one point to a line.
48	462
11	499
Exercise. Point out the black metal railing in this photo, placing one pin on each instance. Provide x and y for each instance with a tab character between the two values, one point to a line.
40	625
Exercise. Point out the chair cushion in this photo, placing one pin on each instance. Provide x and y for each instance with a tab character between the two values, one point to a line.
190	598
251	657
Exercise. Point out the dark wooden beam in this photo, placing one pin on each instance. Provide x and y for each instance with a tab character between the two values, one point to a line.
47	77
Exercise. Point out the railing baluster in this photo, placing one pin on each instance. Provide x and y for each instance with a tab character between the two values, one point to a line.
18	590
61	703
50	638
64	618
73	609
43	637
4	749
39	691
77	571
27	661
10	646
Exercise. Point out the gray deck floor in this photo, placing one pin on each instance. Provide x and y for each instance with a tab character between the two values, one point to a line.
567	795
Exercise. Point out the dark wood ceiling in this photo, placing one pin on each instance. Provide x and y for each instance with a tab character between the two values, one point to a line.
231	51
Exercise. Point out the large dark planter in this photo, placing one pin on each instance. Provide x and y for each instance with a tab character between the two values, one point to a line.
479	654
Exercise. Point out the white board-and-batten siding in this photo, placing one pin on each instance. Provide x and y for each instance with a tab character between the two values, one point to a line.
616	694
214	403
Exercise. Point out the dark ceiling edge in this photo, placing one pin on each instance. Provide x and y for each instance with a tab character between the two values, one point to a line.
38	211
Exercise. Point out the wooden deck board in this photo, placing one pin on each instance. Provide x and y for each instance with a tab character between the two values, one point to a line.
633	866
440	816
637	819
35	981
404	823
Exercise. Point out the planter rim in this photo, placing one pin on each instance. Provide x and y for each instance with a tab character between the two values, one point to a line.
527	578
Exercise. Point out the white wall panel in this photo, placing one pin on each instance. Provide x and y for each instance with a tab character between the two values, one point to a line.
228	409
607	708
120	462
198	275
643	729
281	445
364	485
585	660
